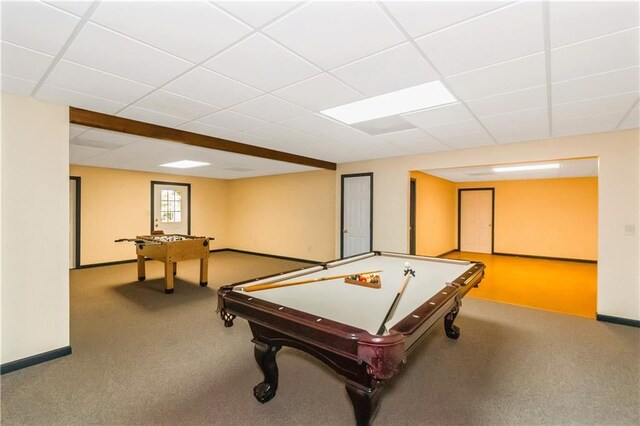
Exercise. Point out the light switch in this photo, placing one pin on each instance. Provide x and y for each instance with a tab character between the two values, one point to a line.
630	230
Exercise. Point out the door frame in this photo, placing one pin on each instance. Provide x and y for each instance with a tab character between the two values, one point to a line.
157	182
77	211
413	188
493	212
341	236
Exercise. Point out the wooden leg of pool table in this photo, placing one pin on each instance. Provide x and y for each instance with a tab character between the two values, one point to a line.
141	274
204	271
168	276
365	402
452	331
266	357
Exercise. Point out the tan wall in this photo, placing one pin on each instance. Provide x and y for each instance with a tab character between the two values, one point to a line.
288	215
545	217
117	204
435	215
35	227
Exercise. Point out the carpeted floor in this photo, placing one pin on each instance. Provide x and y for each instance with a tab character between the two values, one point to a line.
141	357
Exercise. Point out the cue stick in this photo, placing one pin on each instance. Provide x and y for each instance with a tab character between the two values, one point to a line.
408	273
278	285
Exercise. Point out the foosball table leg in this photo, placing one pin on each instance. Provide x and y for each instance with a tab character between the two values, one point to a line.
141	272
204	271
168	276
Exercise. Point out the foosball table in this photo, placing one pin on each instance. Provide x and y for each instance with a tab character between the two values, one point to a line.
171	249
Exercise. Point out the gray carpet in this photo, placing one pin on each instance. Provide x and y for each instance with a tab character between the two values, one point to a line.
141	357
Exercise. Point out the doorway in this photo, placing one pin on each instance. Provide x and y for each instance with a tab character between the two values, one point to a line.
475	220
74	222
357	214
171	207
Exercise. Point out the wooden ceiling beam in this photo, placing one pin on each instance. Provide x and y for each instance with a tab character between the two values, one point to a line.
124	125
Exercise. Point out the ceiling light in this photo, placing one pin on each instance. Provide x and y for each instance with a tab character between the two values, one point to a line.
406	100
527	168
184	164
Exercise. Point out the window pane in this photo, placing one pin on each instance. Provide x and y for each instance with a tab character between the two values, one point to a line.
178	217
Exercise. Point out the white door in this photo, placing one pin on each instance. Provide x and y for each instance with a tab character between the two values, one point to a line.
72	223
476	220
356	215
171	208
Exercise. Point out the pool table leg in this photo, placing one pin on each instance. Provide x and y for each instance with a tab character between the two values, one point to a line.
365	402
266	357
141	272
452	331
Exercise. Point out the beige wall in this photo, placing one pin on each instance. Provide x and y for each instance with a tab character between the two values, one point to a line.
288	215
117	204
35	227
435	215
618	201
545	217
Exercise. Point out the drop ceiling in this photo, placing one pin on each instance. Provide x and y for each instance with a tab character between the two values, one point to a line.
568	168
260	73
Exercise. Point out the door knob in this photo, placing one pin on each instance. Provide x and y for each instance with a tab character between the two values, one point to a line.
344	232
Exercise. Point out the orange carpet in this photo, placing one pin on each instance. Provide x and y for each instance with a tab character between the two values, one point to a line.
552	285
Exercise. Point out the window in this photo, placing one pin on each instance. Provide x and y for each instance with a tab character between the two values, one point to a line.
170	206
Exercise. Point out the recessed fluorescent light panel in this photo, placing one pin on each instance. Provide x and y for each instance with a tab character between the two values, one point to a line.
184	164
526	168
406	100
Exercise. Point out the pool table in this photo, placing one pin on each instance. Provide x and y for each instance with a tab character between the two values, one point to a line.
340	323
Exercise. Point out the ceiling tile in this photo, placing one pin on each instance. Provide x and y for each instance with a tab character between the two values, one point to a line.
176	105
78	78
383	125
153	117
36	26
595	86
24	63
595	106
534	97
574	21
468	140
414	140
79	154
281	134
311	123
76	130
110	137
233	120
422	17
212	88
347	135
505	77
446	114
256	13
608	53
518	118
206	129
123	56
77	7
193	30
278	67
269	108
78	100
394	69
336	32
587	124
505	34
17	86
632	120
319	93
454	129
526	132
